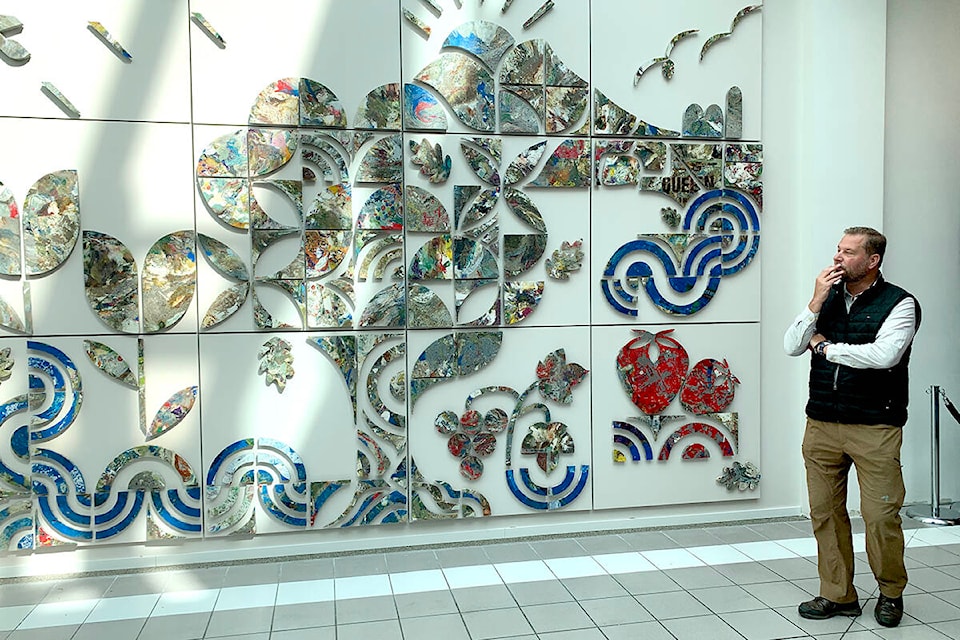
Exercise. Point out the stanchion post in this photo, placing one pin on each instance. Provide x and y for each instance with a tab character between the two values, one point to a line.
932	513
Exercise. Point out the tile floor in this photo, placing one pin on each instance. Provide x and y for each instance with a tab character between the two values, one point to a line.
718	582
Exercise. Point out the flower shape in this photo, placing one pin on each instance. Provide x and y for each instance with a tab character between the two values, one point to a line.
472	437
547	441
557	378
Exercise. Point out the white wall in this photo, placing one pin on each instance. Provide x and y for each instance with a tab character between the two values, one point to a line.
920	215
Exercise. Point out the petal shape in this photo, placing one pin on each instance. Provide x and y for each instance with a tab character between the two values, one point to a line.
110	281
319	106
222	258
169	280
228	199
524	163
466	85
172	412
380	109
423	211
226	304
383	162
110	362
278	103
524	208
9	233
226	156
51	221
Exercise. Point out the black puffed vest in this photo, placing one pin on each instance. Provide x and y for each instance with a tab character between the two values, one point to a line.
859	396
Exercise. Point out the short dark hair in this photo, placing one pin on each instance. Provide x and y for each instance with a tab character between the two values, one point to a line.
873	241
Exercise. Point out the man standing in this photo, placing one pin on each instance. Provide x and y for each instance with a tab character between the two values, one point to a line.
859	329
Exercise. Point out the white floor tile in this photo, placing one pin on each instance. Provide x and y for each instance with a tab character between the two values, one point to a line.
418	581
55	614
672	558
483	575
259	595
565	568
124	608
806	547
859	543
631	562
362	587
946	535
305	591
719	554
179	602
525	571
764	550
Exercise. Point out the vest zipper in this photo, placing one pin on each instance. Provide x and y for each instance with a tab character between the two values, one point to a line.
836	375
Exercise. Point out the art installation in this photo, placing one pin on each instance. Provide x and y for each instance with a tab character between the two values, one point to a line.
360	251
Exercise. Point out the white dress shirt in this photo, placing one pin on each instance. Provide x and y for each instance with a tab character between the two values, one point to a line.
892	341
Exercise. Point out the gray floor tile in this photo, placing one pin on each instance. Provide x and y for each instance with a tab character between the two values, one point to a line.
735	533
953	597
79	589
251	574
777	530
462	557
109	630
950	629
607	612
648	541
21	593
363	609
401	561
727	599
265	635
932	556
48	633
539	592
510	552
501	623
316	633
781	594
675	604
185	627
928	608
591	587
792	568
136	584
747	573
373	564
558	548
304	616
232	623
431	603
692	537
930	580
562	616
576	634
495	596
381	630
646	582
192	579
646	630
699	627
313	569
764	624
698	577
607	543
448	627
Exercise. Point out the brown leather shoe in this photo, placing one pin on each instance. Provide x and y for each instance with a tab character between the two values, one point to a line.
889	611
820	609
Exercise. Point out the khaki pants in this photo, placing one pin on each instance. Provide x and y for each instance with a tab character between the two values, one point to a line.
829	449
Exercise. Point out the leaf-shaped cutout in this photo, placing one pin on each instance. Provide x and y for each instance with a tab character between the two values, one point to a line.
434	166
110	281
110	362
438	360
221	257
226	304
9	318
521	252
524	163
481	207
481	165
169	280
172	412
9	233
522	206
51	221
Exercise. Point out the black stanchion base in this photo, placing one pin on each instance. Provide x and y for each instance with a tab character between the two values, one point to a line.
944	516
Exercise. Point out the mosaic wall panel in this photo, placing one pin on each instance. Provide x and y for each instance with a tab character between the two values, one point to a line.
498	264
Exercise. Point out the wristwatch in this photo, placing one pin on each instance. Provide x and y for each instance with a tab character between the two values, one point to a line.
821	348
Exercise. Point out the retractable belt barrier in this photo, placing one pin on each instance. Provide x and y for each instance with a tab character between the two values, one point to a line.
933	513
